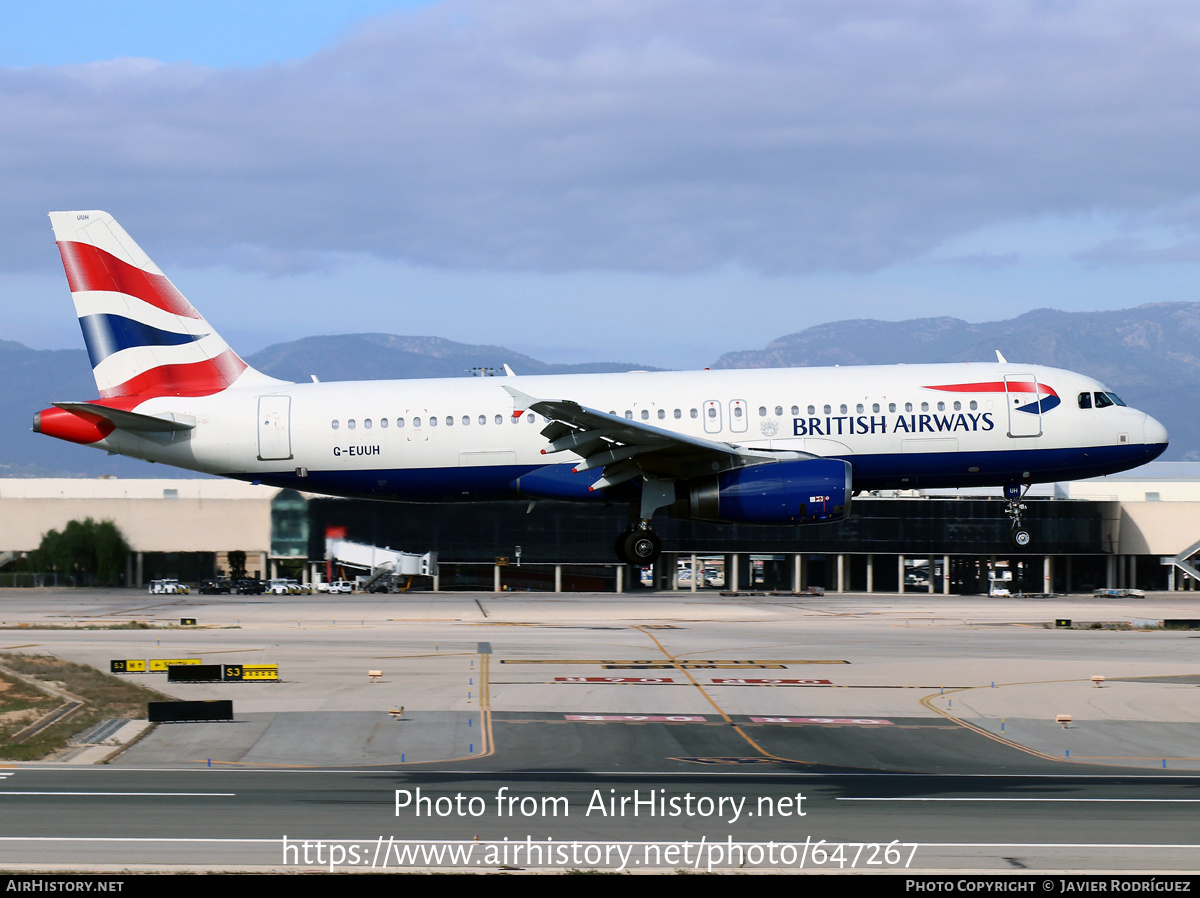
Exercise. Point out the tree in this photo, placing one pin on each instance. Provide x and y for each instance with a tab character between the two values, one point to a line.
83	547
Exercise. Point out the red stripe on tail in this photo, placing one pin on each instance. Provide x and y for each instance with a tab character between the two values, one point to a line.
91	268
195	379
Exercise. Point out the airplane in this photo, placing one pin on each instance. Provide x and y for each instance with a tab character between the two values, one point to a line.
763	446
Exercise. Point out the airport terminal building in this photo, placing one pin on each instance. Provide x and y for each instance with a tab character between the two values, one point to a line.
1113	532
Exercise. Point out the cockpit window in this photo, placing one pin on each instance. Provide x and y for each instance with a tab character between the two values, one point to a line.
1085	400
1115	398
1102	400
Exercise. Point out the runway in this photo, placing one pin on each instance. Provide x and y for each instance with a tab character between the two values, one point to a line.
877	733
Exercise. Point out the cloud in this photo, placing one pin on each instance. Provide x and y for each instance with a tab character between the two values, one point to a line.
626	135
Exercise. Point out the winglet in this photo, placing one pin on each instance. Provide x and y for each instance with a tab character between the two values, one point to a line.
521	400
1001	359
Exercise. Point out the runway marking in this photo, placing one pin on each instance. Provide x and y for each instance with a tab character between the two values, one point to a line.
834	721
758	681
723	662
1119	801
729	720
646	681
5	792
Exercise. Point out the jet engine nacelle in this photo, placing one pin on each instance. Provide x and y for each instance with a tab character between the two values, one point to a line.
804	491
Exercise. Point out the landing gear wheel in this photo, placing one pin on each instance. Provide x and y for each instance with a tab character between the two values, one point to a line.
1020	538
641	547
619	547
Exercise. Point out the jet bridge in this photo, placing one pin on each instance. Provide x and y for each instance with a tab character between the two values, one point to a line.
383	565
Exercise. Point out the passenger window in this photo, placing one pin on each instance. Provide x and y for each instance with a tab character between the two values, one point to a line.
795	409
891	406
874	407
334	425
678	413
712	412
449	420
941	406
433	420
957	406
762	411
350	424
416	422
499	419
924	406
828	409
974	405
908	406
532	418
737	411
383	423
628	415
860	408
843	408
482	420
812	409
1085	400
645	414
466	420
399	422
366	423
695	413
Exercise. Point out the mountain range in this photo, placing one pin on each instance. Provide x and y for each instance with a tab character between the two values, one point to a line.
1149	355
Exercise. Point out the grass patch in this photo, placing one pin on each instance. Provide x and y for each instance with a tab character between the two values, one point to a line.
106	697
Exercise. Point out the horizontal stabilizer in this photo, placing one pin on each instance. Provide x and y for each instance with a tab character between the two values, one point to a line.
128	420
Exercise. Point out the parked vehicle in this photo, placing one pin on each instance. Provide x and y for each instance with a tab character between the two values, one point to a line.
168	587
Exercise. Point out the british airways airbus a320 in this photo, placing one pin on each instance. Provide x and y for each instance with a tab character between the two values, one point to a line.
768	446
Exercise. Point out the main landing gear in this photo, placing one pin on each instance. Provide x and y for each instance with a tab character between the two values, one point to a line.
1020	537
640	546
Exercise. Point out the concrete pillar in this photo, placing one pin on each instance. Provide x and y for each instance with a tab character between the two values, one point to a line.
495	578
945	575
731	573
900	573
264	565
841	573
870	573
558	578
129	569
437	580
1067	584
1110	572
695	572
931	570
1133	572
620	578
1048	574
141	563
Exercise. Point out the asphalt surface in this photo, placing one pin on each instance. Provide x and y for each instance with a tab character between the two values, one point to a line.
914	732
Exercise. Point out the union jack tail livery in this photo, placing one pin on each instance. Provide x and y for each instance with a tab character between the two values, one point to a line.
143	337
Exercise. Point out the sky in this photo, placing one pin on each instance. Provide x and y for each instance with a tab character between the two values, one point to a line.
650	181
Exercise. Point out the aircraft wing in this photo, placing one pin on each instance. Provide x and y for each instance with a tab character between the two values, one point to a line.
626	449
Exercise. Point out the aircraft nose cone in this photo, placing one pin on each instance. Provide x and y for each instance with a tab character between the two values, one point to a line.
1155	432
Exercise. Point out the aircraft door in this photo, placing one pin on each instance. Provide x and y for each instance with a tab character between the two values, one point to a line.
1024	407
274	428
712	416
739	415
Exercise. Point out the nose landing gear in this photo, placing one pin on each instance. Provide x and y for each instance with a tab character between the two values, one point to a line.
1020	537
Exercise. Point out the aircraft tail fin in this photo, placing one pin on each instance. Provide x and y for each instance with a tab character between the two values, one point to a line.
143	337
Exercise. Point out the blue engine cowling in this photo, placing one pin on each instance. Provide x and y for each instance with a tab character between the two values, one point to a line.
804	491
